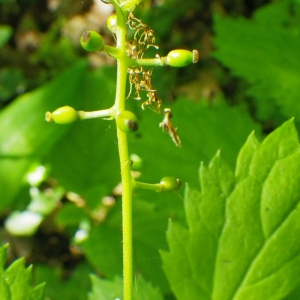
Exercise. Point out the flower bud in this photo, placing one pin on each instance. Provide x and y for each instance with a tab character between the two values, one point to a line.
92	41
62	115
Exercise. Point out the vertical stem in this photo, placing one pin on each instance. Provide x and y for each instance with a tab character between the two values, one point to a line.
124	158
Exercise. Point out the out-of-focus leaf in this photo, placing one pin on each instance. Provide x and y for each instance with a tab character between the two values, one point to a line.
5	34
104	245
11	82
88	157
203	129
70	214
111	290
106	289
75	287
253	50
25	135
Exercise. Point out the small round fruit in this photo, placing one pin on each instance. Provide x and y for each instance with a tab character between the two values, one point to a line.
62	115
137	162
92	41
179	58
112	23
127	121
170	184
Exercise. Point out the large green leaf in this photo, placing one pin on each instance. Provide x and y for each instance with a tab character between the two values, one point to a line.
25	136
243	230
16	280
265	52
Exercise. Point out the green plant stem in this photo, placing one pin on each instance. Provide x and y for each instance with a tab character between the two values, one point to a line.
124	158
105	113
152	62
112	51
157	187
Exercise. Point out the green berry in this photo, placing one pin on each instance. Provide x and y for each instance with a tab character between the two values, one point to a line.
127	121
92	41
170	184
137	162
181	58
62	115
112	23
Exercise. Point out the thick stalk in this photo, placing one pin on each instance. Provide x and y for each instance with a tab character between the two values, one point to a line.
124	158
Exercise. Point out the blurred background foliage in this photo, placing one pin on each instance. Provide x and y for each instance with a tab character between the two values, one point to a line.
59	185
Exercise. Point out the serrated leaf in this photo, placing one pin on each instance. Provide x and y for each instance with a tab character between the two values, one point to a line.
241	240
252	49
112	290
16	280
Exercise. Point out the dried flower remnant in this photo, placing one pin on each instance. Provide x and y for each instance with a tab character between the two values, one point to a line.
166	125
140	78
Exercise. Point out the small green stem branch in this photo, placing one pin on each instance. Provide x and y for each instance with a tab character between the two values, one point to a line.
124	158
112	51
105	113
157	187
152	62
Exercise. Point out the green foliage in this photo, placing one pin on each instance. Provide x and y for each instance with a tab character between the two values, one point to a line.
234	239
265	52
104	249
108	290
27	137
5	34
242	228
75	287
202	128
15	281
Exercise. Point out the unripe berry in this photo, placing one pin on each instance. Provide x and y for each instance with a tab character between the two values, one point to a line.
112	23
137	162
62	115
170	184
127	121
181	58
92	41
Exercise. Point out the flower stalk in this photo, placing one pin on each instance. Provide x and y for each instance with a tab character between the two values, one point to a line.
129	56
